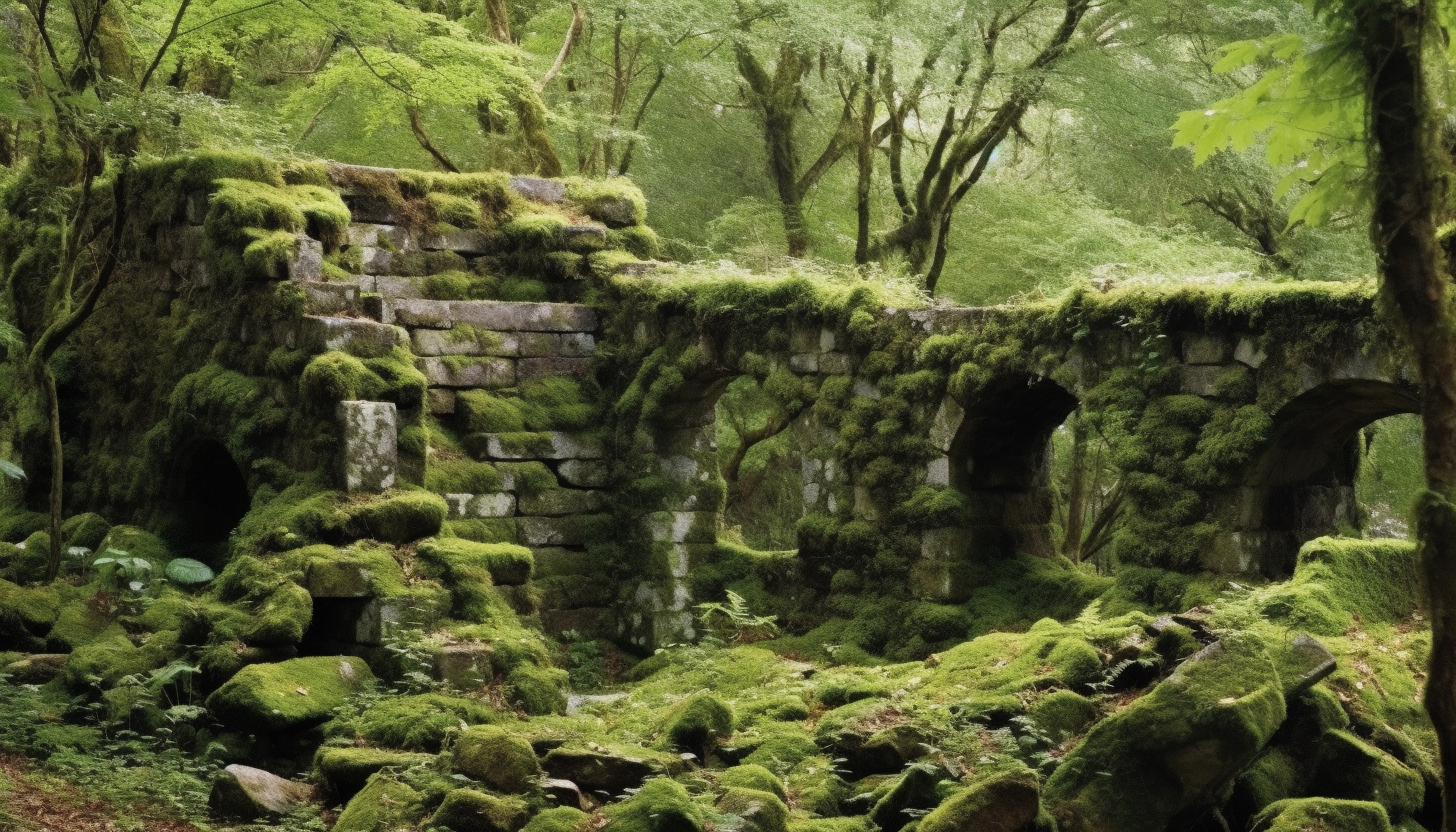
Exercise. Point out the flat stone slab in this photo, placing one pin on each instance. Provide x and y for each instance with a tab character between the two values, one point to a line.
529	369
378	235
481	506
543	446
246	792
561	501
356	336
585	473
489	373
371	445
462	241
503	316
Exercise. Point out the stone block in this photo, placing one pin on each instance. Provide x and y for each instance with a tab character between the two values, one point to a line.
503	316
555	344
947	424
489	373
555	561
1249	353
946	544
1200	379
835	363
560	501
864	390
481	506
355	336
536	189
428	313
584	237
371	445
337	579
440	401
249	793
543	446
397	287
308	260
376	260
550	531
529	369
196	207
462	241
683	526
585	473
434	342
938	471
804	362
465	666
376	235
330	298
1200	348
370	209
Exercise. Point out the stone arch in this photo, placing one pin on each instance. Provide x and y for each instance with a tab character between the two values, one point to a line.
996	454
1303	484
211	496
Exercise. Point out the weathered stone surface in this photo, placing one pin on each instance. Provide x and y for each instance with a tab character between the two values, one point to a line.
597	771
35	669
1304	665
480	506
575	592
440	401
560	501
371	445
504	316
1200	348
543	446
835	363
683	526
550	531
804	362
1201	379
462	241
549	191
376	235
566	793
465	666
952	543
557	344
490	373
376	260
435	342
529	369
308	260
585	237
947	424
585	473
937	472
414	312
554	561
1006	801
244	792
369	209
337	579
394	287
1249	353
330	298
356	336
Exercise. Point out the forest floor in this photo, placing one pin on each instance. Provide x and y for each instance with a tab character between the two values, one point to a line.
32	801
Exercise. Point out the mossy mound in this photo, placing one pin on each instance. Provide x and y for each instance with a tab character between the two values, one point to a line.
659	806
1317	814
85	530
344	771
508	564
468	810
1008	801
502	761
1347	767
421	722
291	694
698	723
538	690
560	819
759	811
26	615
1061	714
383	803
752	776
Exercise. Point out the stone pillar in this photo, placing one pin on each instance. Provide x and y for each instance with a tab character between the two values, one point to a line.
371	445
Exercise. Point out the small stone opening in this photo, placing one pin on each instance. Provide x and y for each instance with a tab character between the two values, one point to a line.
341	626
212	497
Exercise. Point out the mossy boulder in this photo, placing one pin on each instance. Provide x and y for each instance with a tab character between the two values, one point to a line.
500	760
293	694
915	790
1008	801
560	819
1319	814
397	517
26	615
468	810
659	806
698	723
84	530
598	771
344	771
1062	714
508	564
1347	767
421	722
1174	748
760	811
383	803
537	690
783	747
107	659
751	776
281	618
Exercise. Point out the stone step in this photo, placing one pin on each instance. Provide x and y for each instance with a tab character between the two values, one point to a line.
493	373
443	342
549	445
356	336
497	316
339	299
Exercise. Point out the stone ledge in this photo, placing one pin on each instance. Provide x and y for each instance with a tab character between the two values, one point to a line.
543	446
489	373
504	316
561	501
481	506
356	336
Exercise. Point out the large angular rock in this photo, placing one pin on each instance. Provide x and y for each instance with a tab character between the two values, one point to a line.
297	693
1004	802
502	316
243	792
561	501
597	771
371	445
487	373
1174	749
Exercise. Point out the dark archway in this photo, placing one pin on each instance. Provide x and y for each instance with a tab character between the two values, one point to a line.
999	460
1303	485
212	497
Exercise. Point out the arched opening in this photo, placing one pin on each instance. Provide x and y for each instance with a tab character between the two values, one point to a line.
999	460
1304	484
211	497
761	461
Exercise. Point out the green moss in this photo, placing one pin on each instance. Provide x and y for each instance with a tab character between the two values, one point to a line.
27	610
267	255
448	286
614	201
534	231
502	761
485	412
508	564
751	776
760	811
468	810
537	690
282	618
493	530
1379	580
1062	714
103	661
698	723
523	290
421	722
784	747
1004	801
1347	767
528	477
16	523
457	211
85	530
1316	814
814	786
384	803
398	516
659	806
463	476
560	819
344	771
290	694
78	622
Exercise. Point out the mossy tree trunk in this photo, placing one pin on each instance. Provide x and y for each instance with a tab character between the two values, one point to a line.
1410	198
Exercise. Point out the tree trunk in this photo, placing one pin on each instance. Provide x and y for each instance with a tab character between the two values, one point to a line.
58	461
498	20
1408	162
866	164
1076	490
777	98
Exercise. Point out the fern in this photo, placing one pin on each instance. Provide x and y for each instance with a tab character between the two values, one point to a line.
736	621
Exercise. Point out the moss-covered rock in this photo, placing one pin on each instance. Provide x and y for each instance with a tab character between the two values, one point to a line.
1349	768
344	771
760	811
468	810
783	747
914	791
282	618
698	723
538	690
384	803
1061	714
502	761
397	517
560	819
1008	801
291	694
659	806
751	776
84	530
1317	814
421	722
26	615
1174	748
104	661
508	564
